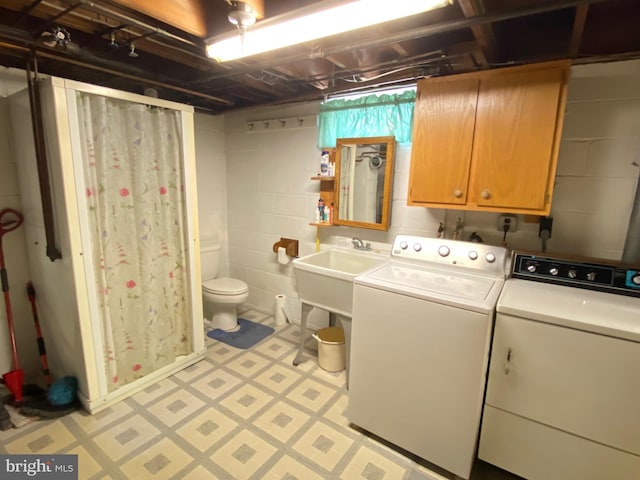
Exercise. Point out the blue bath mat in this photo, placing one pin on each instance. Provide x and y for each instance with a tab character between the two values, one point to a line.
247	336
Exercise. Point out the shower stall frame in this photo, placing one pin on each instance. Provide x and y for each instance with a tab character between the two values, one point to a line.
67	299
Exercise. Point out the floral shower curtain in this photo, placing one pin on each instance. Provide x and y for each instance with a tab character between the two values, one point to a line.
133	173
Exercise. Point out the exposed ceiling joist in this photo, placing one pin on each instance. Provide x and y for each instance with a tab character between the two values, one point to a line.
483	32
578	29
169	45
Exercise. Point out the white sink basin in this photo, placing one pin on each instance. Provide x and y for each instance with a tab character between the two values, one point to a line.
325	279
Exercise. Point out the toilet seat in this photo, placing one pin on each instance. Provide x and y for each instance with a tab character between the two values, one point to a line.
225	286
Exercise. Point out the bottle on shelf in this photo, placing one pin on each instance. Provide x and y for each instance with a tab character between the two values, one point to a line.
320	210
324	164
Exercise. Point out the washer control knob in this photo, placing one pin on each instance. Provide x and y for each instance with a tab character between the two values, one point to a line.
417	247
553	271
591	276
490	257
572	273
403	245
636	279
473	255
443	251
531	268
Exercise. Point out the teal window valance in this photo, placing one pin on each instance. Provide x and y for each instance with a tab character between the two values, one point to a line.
375	115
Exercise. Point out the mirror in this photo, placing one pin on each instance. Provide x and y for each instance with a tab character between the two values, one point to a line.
364	176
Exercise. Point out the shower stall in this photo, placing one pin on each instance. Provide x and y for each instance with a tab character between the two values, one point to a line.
121	309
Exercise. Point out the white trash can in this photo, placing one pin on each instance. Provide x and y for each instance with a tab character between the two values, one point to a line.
331	349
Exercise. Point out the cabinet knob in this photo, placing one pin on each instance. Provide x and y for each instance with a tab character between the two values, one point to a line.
457	193
485	194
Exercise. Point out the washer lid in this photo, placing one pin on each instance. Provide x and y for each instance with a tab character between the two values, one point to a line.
598	312
449	286
225	286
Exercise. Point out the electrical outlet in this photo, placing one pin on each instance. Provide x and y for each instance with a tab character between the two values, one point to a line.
508	221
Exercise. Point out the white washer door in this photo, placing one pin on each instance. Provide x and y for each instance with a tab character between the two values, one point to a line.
417	375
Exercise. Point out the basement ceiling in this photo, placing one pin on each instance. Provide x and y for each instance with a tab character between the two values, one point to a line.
134	45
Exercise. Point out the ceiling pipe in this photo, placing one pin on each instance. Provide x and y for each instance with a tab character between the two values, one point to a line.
138	23
25	13
416	33
117	73
408	62
44	178
53	19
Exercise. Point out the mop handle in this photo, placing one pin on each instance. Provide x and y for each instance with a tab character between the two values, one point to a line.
42	351
7	303
10	219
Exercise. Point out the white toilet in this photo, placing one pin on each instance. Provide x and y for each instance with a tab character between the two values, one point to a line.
221	295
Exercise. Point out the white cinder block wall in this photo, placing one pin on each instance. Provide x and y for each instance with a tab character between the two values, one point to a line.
270	193
597	179
15	257
255	187
211	172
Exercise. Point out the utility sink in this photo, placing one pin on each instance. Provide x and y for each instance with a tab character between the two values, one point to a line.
325	279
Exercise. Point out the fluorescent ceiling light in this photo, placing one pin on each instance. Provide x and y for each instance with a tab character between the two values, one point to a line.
311	24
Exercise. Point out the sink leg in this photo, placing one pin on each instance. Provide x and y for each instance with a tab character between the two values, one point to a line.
306	310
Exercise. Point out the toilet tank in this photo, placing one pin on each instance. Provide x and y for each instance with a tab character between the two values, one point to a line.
209	260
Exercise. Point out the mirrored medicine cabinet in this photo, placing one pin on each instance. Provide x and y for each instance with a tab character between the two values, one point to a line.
364	179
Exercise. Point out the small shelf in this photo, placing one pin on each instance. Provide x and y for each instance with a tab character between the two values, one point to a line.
323	178
322	224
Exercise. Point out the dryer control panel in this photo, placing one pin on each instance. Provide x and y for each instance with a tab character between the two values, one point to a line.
590	274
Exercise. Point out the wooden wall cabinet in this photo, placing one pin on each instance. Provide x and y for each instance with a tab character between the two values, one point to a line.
489	140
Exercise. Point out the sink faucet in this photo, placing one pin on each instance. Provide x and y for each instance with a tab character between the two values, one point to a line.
359	245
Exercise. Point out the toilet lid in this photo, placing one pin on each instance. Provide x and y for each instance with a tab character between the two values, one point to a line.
225	286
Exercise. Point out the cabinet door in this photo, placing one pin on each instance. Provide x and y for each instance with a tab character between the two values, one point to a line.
514	141
444	120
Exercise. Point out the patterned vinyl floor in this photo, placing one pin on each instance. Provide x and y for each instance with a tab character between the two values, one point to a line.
237	415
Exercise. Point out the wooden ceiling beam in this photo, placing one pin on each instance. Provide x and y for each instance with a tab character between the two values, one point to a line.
187	15
293	77
482	32
578	29
469	55
400	50
275	89
333	59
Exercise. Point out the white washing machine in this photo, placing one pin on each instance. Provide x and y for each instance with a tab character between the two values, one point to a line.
421	330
